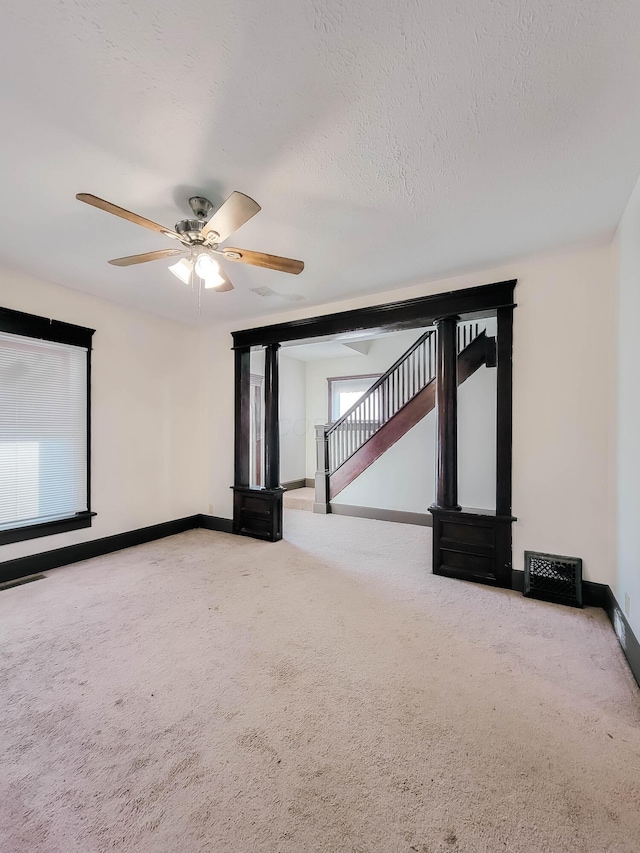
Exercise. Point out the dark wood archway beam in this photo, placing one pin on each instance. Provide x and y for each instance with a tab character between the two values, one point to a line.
470	303
472	544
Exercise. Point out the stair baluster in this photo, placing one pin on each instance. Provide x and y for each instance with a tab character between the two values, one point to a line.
391	392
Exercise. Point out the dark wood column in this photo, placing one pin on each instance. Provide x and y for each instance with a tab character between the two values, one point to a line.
473	544
271	418
257	511
242	416
447	414
504	409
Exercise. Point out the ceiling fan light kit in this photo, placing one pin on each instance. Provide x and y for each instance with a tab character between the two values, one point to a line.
201	238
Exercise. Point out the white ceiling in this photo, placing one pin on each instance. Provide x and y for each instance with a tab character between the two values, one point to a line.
386	143
348	345
323	350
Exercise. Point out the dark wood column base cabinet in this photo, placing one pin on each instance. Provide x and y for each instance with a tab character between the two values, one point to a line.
258	512
473	545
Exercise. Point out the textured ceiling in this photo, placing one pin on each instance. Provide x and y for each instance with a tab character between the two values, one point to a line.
386	142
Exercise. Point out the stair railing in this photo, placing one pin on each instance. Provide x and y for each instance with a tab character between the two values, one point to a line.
394	389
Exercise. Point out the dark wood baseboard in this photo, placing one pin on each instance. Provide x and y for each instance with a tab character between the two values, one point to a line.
626	637
307	483
36	563
21	581
291	485
398	516
214	522
593	594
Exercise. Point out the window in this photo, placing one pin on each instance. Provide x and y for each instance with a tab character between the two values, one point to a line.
345	391
44	426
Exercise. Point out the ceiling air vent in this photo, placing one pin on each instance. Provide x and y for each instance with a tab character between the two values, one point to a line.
553	578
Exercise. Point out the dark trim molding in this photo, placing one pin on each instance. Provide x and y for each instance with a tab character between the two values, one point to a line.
214	522
399	516
469	303
89	430
626	637
29	568
21	581
504	410
290	485
593	594
46	528
37	563
242	416
44	329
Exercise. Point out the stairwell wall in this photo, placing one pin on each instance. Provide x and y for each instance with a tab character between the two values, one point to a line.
293	419
381	354
563	405
403	478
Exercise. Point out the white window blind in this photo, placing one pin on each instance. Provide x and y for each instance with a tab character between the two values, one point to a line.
43	430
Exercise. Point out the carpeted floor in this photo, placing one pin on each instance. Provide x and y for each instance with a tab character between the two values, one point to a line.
325	693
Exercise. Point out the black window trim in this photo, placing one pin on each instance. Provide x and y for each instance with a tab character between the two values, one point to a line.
45	329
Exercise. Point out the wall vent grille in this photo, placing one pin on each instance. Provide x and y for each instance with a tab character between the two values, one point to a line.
553	578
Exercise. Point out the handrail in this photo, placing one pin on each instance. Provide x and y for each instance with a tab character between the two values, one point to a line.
406	377
382	379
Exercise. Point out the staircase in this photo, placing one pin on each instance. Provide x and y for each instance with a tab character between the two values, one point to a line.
394	404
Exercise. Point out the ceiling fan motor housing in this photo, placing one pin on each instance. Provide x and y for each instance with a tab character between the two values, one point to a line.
191	229
201	207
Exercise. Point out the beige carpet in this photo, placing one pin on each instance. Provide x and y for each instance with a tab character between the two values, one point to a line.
300	499
213	693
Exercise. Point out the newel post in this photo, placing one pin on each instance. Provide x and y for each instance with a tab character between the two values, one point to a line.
321	502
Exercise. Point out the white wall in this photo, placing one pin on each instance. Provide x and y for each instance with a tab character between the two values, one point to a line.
628	434
146	423
403	478
293	418
160	387
380	356
477	400
564	375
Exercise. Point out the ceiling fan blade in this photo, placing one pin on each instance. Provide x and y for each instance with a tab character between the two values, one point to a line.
231	214
146	256
100	203
259	259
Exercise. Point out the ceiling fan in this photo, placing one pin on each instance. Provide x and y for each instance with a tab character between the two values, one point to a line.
200	240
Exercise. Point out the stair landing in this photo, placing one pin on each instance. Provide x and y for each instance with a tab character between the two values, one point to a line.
299	499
